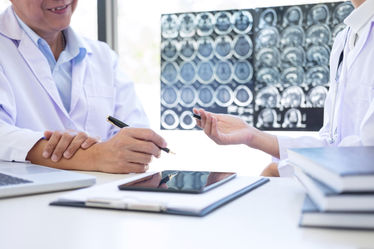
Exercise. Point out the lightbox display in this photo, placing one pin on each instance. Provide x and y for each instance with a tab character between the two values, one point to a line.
267	65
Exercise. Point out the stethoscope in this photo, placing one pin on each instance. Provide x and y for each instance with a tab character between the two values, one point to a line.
334	132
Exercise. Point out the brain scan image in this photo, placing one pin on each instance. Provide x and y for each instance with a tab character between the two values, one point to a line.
293	16
268	18
267	118
223	23
186	120
317	96
205	24
169	120
293	76
268	75
205	48
293	36
223	47
342	11
169	97
242	21
243	46
293	97
224	96
243	71
269	66
267	38
187	26
169	26
188	49
293	56
187	72
318	34
268	57
205	96
205	71
292	119
318	75
319	55
223	71
318	14
268	97
169	72
169	50
243	96
188	96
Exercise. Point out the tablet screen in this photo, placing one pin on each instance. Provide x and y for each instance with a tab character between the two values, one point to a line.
179	181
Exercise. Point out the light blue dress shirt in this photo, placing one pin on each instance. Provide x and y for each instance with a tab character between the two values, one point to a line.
61	69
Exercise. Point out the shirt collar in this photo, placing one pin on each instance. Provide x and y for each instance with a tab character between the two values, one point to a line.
75	47
360	16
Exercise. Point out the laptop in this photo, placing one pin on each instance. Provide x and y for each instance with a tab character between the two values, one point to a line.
18	179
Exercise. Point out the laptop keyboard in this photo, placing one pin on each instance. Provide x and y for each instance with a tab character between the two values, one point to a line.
11	180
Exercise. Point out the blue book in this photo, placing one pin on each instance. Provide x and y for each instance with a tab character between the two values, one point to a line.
344	169
311	216
327	199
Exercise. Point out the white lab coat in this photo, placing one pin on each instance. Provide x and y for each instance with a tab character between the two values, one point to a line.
353	107
30	102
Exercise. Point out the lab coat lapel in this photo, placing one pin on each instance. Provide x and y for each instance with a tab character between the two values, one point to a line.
31	54
41	70
78	75
360	45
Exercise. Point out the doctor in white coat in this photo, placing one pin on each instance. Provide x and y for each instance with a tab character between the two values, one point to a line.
349	106
52	79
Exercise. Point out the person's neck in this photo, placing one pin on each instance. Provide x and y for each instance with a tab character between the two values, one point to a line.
56	42
357	3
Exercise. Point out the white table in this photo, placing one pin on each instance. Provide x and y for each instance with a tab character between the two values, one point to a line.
264	218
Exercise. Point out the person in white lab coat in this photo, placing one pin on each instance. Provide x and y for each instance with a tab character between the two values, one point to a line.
57	85
349	106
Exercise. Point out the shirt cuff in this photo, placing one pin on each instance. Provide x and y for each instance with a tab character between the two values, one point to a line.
18	149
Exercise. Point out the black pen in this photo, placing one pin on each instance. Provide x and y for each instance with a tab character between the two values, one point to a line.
197	116
121	124
166	179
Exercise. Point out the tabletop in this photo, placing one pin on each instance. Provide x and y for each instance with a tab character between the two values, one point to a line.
266	217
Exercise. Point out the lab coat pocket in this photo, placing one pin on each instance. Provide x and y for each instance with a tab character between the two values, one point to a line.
100	99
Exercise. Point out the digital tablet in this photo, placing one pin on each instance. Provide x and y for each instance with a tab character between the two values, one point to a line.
179	181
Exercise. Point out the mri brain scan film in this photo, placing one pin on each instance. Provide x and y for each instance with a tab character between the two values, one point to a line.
270	66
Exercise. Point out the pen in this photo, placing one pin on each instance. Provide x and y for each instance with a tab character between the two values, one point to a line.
196	116
121	124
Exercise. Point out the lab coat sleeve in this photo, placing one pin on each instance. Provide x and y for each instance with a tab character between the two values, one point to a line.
127	104
15	142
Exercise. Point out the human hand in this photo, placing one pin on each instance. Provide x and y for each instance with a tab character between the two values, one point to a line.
129	151
65	144
225	129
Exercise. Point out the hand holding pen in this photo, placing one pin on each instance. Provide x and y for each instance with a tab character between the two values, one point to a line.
121	124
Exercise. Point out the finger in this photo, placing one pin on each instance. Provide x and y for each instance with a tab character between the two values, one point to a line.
133	168
203	115
75	144
62	145
89	142
139	158
214	130
208	124
145	147
52	142
147	135
48	134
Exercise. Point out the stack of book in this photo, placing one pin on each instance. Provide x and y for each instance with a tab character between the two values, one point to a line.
339	182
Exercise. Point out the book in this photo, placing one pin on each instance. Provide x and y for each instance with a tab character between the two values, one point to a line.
327	199
344	169
108	196
311	216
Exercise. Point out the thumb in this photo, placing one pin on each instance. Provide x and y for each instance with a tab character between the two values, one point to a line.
48	134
